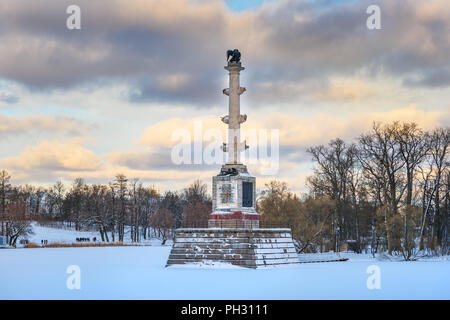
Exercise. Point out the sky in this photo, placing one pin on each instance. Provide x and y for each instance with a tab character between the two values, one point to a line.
108	98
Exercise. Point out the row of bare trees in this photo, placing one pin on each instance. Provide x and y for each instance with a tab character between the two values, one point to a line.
119	209
387	191
391	186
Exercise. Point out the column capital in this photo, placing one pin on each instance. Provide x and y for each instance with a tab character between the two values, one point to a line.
234	67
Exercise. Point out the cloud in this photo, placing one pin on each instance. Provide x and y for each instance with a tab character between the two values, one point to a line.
344	89
313	71
69	159
438	78
147	42
301	132
54	156
162	133
42	124
150	159
296	134
8	97
175	52
294	130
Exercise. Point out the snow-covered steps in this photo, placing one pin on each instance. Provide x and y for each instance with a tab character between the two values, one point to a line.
249	248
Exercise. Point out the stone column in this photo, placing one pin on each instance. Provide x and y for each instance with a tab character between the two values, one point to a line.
234	120
234	184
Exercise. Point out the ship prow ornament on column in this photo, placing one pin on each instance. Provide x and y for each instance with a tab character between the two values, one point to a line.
233	235
234	188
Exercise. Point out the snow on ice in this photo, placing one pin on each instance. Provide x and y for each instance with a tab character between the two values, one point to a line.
139	272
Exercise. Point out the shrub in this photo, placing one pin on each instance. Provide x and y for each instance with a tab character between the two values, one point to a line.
32	245
78	245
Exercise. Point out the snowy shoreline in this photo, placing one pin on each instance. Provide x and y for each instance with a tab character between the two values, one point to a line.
138	272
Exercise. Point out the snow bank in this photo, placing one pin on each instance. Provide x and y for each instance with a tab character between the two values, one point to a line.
140	273
54	235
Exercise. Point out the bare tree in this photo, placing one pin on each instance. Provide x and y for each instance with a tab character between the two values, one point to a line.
4	188
196	215
17	223
381	158
58	191
122	192
151	203
438	165
163	220
414	146
333	178
195	192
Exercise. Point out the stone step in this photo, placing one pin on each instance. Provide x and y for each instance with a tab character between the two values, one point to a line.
261	239
231	235
211	240
276	264
234	246
227	257
215	257
242	263
272	240
234	230
233	240
255	249
233	251
190	245
280	249
213	251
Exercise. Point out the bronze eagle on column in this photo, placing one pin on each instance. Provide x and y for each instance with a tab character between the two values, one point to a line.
233	56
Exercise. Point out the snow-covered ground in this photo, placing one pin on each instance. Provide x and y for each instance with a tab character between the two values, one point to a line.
56	235
140	273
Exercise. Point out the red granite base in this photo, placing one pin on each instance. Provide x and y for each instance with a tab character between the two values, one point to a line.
237	219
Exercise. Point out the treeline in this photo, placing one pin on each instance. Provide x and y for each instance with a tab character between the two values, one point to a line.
119	209
388	191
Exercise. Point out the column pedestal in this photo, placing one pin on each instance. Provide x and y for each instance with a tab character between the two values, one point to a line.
234	200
